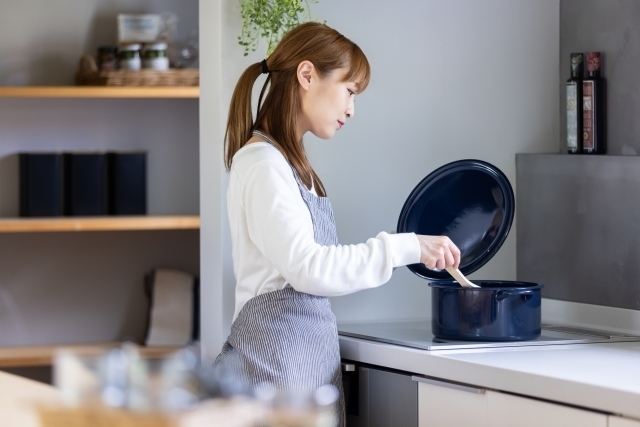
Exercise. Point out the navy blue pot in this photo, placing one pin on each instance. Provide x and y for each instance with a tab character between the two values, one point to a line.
497	311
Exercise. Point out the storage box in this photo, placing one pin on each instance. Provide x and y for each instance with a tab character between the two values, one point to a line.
139	28
85	184
127	183
41	184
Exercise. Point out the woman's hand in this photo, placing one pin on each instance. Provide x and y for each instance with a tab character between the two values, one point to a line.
438	252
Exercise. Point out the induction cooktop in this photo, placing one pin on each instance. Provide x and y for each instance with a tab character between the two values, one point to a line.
417	334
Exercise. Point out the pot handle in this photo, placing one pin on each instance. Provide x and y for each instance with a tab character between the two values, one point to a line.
502	294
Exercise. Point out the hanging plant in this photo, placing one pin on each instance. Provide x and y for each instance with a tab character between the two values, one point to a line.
270	20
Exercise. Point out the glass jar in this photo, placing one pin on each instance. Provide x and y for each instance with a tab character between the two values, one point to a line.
155	57
107	58
129	57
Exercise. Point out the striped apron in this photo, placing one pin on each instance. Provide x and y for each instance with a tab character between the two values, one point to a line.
285	337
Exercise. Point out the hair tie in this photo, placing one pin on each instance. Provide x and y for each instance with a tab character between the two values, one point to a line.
265	69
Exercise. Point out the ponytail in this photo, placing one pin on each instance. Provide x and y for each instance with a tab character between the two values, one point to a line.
240	120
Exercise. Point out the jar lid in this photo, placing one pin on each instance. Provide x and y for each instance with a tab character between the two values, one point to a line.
107	49
156	46
129	47
469	201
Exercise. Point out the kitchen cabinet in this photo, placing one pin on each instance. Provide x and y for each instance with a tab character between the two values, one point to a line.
447	404
452	404
379	397
622	422
509	410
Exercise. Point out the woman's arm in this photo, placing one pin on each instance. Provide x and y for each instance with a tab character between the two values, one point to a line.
279	224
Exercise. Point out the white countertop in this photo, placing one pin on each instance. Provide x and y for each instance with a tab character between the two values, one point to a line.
604	377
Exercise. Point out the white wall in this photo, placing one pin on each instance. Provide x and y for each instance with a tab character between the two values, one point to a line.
451	80
212	216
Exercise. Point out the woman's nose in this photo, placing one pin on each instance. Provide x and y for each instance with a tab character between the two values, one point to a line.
350	110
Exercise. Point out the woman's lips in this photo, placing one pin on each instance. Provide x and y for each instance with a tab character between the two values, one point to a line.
340	124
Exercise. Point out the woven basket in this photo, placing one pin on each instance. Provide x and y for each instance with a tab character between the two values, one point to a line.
89	75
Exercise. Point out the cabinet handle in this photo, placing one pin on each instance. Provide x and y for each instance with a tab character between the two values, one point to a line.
348	367
446	384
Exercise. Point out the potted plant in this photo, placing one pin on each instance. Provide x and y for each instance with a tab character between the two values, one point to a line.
270	20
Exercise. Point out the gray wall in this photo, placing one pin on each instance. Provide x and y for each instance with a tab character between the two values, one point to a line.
609	26
451	80
87	287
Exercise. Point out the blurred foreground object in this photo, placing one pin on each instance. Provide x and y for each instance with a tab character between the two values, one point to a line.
119	388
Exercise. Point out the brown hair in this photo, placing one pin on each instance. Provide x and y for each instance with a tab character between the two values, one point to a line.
328	50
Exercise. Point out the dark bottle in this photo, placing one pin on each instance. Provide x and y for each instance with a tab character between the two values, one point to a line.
594	133
574	104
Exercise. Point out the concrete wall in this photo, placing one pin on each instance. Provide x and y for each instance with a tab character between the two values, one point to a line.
451	80
611	27
608	26
87	287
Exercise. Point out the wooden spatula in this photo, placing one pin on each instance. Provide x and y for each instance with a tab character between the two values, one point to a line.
460	278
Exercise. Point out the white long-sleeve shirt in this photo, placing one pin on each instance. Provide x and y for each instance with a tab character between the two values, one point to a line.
273	240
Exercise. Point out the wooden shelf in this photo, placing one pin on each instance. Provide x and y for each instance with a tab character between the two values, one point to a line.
99	92
34	225
13	357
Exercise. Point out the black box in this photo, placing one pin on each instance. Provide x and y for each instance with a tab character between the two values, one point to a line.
127	183
41	184
85	184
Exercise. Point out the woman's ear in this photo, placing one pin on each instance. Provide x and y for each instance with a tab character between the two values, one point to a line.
305	72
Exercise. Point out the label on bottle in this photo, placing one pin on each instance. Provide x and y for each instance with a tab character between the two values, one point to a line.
588	124
572	116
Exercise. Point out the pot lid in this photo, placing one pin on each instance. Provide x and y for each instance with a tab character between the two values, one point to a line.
471	202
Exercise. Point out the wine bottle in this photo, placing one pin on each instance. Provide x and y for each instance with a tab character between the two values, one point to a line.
594	108
574	104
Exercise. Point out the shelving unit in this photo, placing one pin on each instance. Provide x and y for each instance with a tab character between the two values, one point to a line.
81	279
100	92
30	356
31	225
42	355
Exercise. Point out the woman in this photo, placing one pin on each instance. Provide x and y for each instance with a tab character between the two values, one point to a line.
286	255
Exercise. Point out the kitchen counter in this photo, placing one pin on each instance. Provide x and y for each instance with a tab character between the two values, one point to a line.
603	377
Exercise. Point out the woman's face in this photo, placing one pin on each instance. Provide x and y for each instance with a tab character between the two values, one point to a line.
325	103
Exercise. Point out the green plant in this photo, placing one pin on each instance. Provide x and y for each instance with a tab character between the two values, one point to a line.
270	19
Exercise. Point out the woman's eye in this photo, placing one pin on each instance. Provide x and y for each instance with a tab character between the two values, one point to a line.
351	92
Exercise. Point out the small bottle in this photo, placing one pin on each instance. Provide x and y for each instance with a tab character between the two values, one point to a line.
107	58
155	57
129	57
594	108
574	104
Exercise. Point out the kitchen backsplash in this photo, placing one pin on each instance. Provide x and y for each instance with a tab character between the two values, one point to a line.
579	227
611	27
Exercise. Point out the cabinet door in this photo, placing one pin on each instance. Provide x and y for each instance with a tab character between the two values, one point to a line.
506	410
447	404
379	397
622	422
